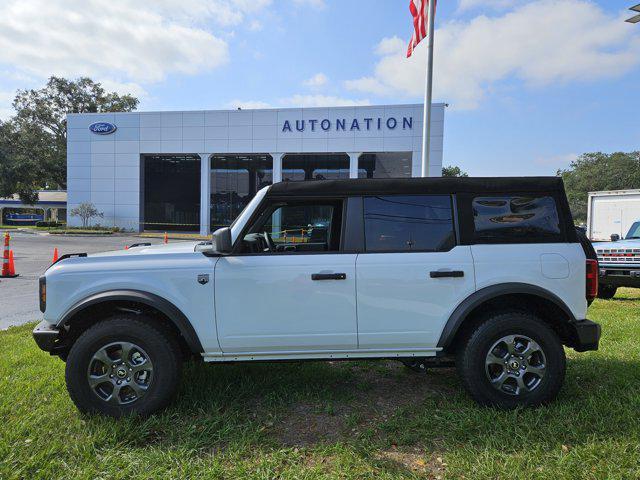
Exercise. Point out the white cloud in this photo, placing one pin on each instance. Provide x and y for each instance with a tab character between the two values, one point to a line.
6	99
300	100
484	4
317	81
318	4
255	25
542	42
127	41
223	12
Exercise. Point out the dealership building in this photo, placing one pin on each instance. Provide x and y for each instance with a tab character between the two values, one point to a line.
196	170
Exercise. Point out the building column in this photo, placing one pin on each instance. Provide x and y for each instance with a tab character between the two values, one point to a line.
205	193
353	164
277	167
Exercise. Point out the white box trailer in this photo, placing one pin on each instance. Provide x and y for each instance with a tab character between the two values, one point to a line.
612	212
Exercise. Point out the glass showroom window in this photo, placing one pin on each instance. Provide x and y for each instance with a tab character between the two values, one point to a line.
235	179
385	165
315	167
171	192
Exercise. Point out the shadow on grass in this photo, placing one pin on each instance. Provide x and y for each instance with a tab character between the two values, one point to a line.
379	404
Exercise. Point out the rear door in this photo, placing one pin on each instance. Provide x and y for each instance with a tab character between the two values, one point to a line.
412	273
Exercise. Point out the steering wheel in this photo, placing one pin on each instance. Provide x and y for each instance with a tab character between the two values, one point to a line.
269	241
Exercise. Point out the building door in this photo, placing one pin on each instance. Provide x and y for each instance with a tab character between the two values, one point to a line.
289	289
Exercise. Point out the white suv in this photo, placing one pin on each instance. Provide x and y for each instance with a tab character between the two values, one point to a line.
486	272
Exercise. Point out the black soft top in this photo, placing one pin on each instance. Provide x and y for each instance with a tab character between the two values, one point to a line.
433	185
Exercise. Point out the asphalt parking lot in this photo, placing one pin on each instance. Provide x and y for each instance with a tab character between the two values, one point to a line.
33	253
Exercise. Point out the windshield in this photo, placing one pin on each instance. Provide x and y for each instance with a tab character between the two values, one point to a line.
241	220
634	231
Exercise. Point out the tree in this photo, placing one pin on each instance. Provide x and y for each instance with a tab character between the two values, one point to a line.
592	172
35	139
452	171
86	211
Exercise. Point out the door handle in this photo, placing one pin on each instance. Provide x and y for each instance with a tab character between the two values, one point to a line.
446	274
328	276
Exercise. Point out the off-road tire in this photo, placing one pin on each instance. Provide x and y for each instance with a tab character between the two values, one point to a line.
476	345
158	342
606	292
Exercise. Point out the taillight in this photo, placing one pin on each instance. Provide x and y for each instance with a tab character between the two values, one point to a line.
592	279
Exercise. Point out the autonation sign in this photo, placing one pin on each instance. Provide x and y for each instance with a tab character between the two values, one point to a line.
355	125
102	128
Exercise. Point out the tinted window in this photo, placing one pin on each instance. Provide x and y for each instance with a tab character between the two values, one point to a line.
408	222
510	218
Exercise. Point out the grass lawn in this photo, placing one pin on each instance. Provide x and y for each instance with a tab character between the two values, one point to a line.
341	420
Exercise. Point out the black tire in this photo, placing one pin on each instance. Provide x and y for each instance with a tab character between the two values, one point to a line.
156	343
606	292
475	373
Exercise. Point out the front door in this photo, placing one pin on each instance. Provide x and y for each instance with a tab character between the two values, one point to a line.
290	289
412	275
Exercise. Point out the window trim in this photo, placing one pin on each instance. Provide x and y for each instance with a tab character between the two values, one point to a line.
454	215
266	205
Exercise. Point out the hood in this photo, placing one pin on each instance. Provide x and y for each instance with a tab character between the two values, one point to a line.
176	247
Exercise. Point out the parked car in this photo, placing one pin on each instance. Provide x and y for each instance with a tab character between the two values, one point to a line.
487	272
619	262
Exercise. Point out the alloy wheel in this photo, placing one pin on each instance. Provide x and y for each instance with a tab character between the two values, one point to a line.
515	364
120	373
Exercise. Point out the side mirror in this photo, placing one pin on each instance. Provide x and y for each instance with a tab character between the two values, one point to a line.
615	237
221	240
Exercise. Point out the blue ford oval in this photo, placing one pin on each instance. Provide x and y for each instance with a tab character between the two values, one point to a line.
102	128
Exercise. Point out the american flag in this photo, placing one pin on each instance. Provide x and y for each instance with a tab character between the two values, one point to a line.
420	12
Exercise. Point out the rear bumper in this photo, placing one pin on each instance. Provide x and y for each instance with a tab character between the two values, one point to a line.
620	276
46	336
586	335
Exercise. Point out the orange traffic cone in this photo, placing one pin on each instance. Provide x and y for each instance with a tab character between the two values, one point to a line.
7	259
55	255
166	237
12	265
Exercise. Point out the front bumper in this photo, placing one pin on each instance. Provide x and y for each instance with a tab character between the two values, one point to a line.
620	276
47	336
585	334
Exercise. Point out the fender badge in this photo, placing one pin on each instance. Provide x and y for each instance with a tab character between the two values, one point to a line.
203	279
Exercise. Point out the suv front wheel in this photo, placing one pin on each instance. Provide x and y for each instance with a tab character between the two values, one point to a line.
126	364
512	359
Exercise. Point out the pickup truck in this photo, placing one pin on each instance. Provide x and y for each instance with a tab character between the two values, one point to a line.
619	262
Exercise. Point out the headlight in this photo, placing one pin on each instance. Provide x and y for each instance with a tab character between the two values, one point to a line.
42	282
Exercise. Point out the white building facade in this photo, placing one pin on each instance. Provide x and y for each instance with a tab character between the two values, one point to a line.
195	170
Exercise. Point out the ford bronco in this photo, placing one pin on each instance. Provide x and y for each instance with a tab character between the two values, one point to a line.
486	273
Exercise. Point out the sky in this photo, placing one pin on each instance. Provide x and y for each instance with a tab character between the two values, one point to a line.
530	84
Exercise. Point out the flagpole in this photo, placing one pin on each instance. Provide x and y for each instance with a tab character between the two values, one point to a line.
426	115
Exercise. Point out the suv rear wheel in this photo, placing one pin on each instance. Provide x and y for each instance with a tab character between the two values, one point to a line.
512	359
124	365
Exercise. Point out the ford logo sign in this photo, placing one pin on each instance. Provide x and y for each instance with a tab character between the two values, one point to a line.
102	128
